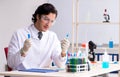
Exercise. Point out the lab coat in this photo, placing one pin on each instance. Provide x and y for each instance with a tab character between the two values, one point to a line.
41	53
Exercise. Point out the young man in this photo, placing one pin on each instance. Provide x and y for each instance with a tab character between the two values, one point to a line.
35	46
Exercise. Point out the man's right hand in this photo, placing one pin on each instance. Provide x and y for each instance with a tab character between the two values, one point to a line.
27	45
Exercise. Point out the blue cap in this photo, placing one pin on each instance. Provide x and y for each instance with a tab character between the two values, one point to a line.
67	35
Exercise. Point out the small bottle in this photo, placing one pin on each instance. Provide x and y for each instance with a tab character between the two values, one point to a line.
111	43
105	62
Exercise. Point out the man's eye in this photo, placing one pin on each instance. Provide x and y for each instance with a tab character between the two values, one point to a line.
47	19
52	21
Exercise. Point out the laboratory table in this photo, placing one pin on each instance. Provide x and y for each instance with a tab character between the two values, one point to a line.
96	69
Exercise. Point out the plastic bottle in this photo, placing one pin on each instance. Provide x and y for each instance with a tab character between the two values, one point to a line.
105	62
110	43
28	36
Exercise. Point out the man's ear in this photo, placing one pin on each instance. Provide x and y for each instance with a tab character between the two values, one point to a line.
38	17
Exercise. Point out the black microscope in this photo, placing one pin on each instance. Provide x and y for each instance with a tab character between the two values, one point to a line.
91	53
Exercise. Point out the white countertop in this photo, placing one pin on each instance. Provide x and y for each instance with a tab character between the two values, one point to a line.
96	69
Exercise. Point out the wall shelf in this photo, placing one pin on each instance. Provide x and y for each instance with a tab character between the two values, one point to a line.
99	23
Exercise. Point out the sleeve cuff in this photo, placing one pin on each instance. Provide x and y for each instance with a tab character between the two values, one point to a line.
62	58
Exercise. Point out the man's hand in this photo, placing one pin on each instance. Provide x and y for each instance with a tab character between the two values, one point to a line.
65	43
27	45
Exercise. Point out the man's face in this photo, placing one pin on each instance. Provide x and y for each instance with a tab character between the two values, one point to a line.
45	21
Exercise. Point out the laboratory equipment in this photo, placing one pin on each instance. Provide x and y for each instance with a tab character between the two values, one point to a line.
106	16
28	36
91	53
111	44
105	62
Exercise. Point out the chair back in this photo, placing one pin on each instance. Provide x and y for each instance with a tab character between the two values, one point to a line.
6	54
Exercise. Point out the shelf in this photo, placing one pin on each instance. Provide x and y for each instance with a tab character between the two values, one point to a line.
99	23
104	48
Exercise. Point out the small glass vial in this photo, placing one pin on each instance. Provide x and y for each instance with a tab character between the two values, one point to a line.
105	62
111	44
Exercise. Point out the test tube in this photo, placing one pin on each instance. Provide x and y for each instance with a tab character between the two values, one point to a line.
28	36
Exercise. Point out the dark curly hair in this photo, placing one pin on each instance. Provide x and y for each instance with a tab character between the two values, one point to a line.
44	9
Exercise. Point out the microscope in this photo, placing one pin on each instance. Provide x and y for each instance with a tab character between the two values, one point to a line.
106	16
91	53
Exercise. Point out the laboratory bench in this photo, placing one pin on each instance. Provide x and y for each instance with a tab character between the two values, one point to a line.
96	69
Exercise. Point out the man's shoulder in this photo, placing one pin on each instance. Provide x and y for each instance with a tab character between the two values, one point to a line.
51	33
23	29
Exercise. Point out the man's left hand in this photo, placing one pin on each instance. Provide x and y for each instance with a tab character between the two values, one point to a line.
65	43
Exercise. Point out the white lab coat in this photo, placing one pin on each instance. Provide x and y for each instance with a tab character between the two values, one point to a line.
40	55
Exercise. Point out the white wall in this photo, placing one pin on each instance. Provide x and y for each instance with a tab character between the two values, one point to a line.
89	11
13	15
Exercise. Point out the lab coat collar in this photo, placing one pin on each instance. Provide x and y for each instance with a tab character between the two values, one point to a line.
34	32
